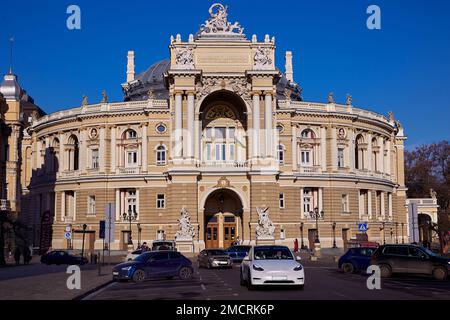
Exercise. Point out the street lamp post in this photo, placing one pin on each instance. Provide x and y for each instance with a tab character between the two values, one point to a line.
396	232
130	217
316	215
334	235
3	215
403	238
139	234
302	246
84	235
392	235
382	229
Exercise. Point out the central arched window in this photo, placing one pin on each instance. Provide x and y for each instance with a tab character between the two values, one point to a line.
161	156
129	134
73	152
309	147
307	134
130	149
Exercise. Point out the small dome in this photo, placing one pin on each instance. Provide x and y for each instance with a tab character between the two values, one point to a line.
10	88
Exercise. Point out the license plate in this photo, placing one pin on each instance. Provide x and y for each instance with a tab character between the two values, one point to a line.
279	278
223	262
115	273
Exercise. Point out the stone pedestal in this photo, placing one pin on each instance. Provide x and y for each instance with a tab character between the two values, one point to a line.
261	241
185	245
317	248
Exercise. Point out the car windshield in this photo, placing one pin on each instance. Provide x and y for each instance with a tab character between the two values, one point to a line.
273	254
216	253
429	252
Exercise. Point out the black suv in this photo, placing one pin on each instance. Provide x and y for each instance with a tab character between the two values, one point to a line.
407	258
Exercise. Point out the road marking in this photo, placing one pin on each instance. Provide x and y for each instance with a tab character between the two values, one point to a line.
203	286
93	294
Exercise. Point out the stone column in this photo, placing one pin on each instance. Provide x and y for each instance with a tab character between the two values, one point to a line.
351	150
256	129
144	148
382	211
62	158
369	153
388	160
294	148
333	149
320	200
63	205
102	151
301	203
117	207
268	123
82	159
323	148
381	156
178	134
390	204
369	203
190	125
113	150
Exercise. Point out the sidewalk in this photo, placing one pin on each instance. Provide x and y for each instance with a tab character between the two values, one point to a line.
40	282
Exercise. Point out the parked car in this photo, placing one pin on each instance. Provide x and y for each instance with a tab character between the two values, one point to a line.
271	265
163	245
133	255
62	257
154	264
214	258
412	259
356	259
237	253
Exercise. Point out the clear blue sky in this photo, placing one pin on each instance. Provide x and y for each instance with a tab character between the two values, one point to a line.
405	67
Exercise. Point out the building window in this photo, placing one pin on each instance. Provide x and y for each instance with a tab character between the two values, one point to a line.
344	202
280	154
359	152
232	152
307	134
160	201
131	201
131	158
341	163
161	156
308	201
130	134
220	152
305	158
363	202
208	151
281	198
161	128
73	153
94	159
91	205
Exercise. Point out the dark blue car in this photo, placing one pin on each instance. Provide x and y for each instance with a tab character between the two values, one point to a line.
237	253
157	264
356	260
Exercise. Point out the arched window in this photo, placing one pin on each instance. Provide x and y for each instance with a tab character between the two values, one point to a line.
374	155
55	155
359	152
307	134
129	134
73	153
161	156
280	154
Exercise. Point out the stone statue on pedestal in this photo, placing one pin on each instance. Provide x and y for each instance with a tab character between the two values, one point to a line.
186	230
265	228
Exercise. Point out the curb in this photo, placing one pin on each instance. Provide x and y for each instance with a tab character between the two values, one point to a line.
91	291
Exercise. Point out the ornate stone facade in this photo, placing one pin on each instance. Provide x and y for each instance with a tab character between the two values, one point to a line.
218	130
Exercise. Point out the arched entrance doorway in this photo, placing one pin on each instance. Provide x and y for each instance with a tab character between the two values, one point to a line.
425	234
223	219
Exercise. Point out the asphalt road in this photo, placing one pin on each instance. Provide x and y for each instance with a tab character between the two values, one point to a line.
323	282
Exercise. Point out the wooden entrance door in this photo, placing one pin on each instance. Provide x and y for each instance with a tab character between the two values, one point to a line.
345	238
311	238
212	235
229	234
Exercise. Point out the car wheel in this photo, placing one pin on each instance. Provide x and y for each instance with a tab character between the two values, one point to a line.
139	276
185	273
250	286
440	273
386	271
348	267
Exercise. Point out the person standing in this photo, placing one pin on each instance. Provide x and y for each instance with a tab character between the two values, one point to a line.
296	245
17	255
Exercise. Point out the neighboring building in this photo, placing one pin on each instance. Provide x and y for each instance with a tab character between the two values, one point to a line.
218	130
427	215
15	106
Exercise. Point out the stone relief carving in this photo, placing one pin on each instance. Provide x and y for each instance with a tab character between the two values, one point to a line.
218	22
265	227
184	58
185	229
262	60
220	111
237	85
433	194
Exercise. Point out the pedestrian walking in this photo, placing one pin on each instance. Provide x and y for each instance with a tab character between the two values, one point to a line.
17	255
238	240
144	247
296	245
26	255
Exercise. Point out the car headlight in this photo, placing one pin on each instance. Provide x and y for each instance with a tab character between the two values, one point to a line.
126	268
298	268
257	268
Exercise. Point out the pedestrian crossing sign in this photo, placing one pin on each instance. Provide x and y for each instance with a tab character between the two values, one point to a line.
362	227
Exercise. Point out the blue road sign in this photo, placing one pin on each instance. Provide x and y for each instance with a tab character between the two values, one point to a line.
68	235
362	227
102	230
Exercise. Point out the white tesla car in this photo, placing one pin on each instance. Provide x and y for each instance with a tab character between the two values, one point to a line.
271	265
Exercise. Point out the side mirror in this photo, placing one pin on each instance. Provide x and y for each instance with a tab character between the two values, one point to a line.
298	258
247	258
